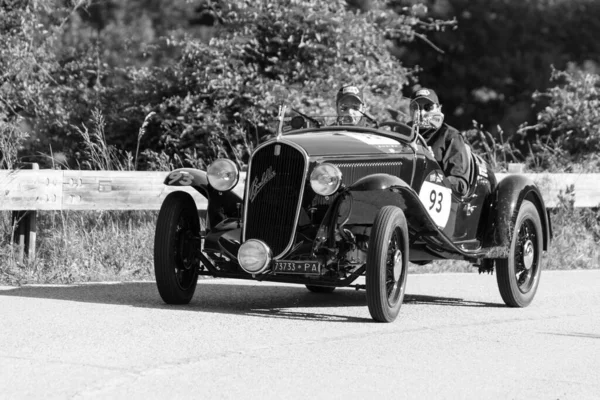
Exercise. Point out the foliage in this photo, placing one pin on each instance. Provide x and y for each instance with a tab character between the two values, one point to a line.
307	46
207	69
498	153
65	63
500	53
11	141
568	128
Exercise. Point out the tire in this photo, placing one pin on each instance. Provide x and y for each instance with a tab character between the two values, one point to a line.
176	243
518	276
320	289
387	264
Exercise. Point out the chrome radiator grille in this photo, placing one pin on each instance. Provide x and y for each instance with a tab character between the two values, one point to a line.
274	189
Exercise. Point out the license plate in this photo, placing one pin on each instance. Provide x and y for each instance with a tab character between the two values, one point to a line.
297	267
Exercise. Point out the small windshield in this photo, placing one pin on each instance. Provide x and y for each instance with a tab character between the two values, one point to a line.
346	117
311	124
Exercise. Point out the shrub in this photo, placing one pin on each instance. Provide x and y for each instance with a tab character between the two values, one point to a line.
495	60
211	93
12	138
498	153
568	128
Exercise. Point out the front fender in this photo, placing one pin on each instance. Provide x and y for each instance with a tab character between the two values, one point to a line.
376	182
221	205
505	205
369	194
187	177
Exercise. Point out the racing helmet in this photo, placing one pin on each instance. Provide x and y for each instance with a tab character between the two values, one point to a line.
350	105
426	112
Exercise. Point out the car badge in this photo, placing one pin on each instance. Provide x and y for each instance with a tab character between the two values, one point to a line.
257	185
277	150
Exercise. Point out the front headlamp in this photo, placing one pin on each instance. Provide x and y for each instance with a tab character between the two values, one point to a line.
325	179
254	256
223	174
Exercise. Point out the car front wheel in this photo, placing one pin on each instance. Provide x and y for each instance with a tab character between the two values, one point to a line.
176	245
387	264
518	276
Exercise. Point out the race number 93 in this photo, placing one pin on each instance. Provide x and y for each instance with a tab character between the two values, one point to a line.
180	177
437	200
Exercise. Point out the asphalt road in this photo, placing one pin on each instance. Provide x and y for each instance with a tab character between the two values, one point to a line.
242	340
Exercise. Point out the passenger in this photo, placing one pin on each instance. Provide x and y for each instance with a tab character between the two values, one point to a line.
350	106
447	144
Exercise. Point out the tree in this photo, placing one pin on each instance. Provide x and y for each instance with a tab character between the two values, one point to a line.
500	53
210	93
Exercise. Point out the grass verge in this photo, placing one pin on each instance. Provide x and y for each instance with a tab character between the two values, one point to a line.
89	246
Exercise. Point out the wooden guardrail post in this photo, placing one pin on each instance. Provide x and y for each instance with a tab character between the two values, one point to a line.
25	226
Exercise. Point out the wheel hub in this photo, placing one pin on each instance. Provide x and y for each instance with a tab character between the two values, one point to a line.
397	265
528	254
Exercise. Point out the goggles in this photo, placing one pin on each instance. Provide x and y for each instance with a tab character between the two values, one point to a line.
347	107
426	107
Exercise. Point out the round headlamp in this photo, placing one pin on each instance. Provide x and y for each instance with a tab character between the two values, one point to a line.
254	256
325	179
222	174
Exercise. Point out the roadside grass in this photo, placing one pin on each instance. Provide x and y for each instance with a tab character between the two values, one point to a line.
576	242
91	246
575	245
79	246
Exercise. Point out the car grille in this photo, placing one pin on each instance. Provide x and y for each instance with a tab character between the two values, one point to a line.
274	190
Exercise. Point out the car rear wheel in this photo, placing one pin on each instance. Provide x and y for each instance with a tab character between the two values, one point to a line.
320	289
518	276
387	264
176	246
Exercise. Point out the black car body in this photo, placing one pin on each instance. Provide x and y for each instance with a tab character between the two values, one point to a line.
391	205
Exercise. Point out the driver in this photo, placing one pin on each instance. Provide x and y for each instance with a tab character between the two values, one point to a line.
350	106
448	145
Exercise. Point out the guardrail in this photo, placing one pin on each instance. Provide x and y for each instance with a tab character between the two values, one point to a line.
26	191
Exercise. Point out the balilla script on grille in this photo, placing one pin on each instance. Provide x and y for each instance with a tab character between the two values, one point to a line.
257	185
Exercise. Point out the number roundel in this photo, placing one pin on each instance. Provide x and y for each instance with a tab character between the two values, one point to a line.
437	200
180	178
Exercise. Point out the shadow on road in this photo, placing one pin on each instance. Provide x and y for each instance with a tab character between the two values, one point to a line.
448	301
270	301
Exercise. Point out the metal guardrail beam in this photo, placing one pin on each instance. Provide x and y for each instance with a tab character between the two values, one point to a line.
26	191
86	190
135	190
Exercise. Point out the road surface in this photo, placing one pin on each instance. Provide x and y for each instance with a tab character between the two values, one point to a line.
454	339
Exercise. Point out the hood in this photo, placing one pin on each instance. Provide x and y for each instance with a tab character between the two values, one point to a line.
333	143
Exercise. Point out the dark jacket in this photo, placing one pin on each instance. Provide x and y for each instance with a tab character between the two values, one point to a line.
451	152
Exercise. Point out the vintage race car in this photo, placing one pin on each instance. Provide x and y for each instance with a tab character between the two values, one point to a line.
325	205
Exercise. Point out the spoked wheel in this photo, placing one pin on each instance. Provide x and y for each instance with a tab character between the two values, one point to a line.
176	246
518	276
320	289
387	264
